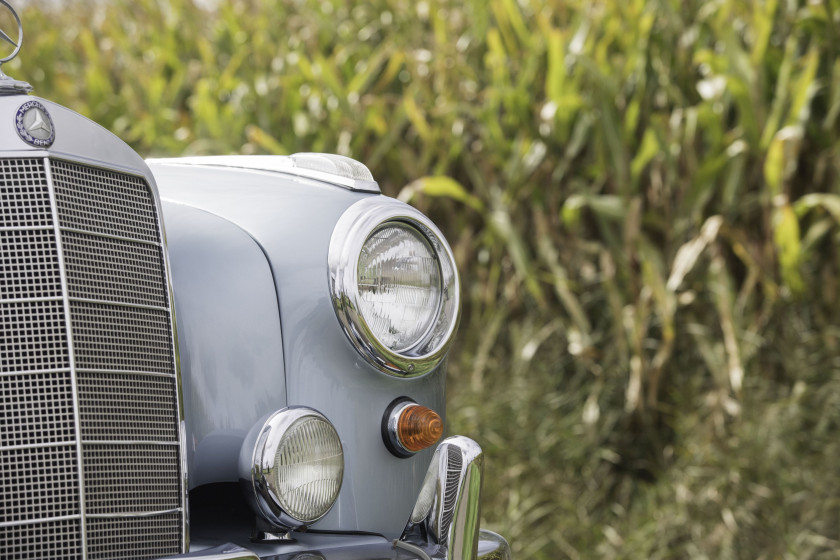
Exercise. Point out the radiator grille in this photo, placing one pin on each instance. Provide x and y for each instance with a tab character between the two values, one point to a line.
114	270
39	483
146	402
37	409
24	196
106	366
110	539
121	338
124	208
52	539
34	336
29	265
147	481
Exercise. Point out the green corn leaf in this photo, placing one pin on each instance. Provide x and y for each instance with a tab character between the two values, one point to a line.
647	151
781	159
556	74
441	187
804	88
828	202
786	238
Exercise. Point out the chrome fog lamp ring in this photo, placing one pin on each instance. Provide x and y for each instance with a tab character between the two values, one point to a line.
400	316
291	466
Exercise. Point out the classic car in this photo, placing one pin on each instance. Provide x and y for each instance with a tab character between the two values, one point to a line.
262	378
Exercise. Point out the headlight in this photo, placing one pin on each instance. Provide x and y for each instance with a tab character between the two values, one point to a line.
292	465
394	286
399	285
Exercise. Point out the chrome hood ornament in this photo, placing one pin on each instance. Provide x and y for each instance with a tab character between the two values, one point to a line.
10	86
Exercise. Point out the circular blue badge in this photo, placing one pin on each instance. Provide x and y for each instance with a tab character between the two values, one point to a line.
34	125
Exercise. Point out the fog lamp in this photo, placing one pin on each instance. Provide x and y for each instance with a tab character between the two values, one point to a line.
292	465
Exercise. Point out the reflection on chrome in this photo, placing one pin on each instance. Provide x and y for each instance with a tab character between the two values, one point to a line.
373	228
445	520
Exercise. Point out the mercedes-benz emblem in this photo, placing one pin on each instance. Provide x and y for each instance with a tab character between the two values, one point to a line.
5	37
34	124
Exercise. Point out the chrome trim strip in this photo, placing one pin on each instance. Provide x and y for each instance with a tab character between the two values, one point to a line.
77	415
176	364
31	300
278	164
414	549
130	442
39	445
34	372
97	163
41	520
25	228
133	515
119	304
124	372
223	552
115	237
348	238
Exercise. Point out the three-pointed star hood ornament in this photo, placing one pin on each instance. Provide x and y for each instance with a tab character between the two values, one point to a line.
8	39
10	86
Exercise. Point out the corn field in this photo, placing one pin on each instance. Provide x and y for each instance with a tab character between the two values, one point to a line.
643	197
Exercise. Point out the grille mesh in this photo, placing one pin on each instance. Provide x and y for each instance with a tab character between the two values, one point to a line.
56	539
121	338
39	483
454	464
142	479
124	373
36	409
24	194
29	265
33	337
145	403
111	539
104	202
114	270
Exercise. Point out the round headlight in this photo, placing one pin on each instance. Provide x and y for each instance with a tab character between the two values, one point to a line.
295	467
399	284
394	286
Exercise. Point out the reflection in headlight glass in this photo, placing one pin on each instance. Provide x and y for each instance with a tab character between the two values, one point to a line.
399	284
309	467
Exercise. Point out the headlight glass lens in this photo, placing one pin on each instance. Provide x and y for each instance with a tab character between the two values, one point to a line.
309	467
399	282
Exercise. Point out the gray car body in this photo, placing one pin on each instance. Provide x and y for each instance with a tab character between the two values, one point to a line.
98	147
257	332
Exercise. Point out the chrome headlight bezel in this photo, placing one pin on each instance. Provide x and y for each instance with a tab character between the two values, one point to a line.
257	465
351	232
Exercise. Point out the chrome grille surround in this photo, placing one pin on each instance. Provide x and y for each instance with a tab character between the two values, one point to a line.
90	422
454	465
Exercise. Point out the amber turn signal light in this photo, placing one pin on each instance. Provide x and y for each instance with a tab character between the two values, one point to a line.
408	427
419	427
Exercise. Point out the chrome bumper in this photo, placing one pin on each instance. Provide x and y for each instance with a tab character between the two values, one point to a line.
490	547
444	524
446	515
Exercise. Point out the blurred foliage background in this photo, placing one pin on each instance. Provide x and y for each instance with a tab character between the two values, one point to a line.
644	200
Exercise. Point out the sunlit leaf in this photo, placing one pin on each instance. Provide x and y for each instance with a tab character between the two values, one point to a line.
440	187
786	237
